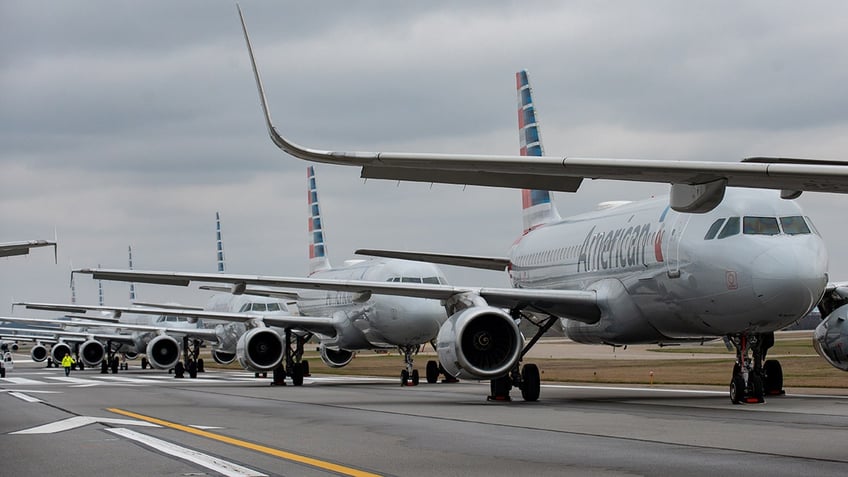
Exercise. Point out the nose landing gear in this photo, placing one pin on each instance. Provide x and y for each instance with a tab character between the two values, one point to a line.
753	379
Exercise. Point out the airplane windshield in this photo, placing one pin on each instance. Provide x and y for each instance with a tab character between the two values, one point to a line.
714	228
274	307
794	225
760	226
730	228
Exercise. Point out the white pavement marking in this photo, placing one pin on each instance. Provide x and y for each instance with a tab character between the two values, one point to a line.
123	379
66	379
24	397
20	381
619	388
210	462
79	421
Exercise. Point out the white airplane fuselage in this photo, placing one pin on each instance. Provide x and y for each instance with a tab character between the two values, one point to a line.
377	321
660	279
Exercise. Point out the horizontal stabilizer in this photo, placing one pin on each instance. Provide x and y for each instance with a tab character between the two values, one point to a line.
468	261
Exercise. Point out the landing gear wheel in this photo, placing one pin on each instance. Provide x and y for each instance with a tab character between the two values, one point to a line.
415	378
530	382
737	389
499	389
144	363
774	378
297	374
200	367
404	377
757	395
305	365
432	372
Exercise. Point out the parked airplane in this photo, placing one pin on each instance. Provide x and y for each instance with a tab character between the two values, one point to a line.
345	320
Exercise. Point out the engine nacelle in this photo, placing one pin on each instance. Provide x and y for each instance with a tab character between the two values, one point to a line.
163	352
831	338
223	357
92	353
259	349
131	354
480	342
38	353
59	351
335	358
9	346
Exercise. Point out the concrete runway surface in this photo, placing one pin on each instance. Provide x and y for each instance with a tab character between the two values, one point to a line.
229	423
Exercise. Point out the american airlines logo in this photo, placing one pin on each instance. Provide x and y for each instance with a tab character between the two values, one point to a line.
620	248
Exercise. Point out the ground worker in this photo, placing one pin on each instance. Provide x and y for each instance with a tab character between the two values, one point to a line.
67	362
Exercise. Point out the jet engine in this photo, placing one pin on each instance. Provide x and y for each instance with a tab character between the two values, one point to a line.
831	338
335	358
223	357
10	346
38	353
260	349
59	351
480	342
163	352
131	355
92	353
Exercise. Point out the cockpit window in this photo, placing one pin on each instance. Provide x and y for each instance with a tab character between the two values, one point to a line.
812	226
794	225
731	227
714	228
411	279
258	307
760	226
274	307
431	280
245	307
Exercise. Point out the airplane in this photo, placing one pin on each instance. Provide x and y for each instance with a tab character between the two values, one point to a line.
8	249
345	320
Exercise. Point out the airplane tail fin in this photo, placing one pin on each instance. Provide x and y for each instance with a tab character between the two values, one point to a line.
132	285
219	242
538	209
317	249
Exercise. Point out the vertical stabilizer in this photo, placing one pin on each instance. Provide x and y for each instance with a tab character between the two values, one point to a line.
99	290
317	250
73	288
219	239
537	206
132	285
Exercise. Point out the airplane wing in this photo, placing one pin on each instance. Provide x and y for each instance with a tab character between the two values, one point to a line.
697	186
255	291
54	334
322	325
207	334
9	249
168	306
468	261
575	304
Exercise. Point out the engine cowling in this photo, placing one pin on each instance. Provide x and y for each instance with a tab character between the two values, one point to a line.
831	338
335	358
223	357
260	349
92	352
131	354
59	351
38	353
480	342
163	352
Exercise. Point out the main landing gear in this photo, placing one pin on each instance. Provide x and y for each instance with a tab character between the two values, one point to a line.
191	353
295	367
527	378
754	377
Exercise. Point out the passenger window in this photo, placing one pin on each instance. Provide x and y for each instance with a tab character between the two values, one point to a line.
760	226
731	227
794	225
714	228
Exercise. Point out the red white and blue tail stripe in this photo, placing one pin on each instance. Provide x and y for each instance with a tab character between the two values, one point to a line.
537	206
317	249
219	243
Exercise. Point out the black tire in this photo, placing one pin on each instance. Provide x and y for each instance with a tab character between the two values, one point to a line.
179	370
297	374
530	382
2	372
200	367
757	388
415	378
192	369
81	366
432	372
773	377
144	363
500	387
404	377
305	365
737	389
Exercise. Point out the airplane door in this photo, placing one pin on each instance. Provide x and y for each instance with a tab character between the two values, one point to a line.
678	227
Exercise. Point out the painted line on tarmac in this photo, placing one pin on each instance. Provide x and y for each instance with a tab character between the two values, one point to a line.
215	464
621	388
24	397
329	466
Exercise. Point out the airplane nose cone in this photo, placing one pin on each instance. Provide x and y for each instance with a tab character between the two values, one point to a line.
789	280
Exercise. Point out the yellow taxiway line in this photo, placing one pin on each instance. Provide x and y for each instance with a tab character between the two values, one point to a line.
343	470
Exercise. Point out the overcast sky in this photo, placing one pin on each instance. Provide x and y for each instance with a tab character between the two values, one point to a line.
126	122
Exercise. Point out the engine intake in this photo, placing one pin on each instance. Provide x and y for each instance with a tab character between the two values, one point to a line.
335	358
59	351
163	352
92	352
223	357
260	349
481	342
831	338
38	353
